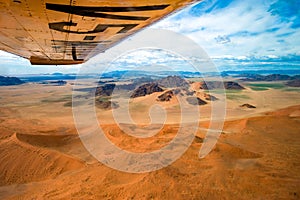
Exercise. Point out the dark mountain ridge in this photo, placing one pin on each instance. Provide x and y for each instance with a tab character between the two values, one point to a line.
5	81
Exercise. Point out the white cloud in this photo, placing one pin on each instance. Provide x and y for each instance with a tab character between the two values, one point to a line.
246	28
235	35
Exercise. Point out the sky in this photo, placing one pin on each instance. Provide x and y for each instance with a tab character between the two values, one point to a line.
236	35
243	34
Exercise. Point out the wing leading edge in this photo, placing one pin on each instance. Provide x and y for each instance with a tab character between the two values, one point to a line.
61	32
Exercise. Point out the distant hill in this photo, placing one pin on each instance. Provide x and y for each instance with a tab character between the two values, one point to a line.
49	77
142	80
143	86
5	81
239	73
57	74
108	88
173	82
229	85
105	90
293	83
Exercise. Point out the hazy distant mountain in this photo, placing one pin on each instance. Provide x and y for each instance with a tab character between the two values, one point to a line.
127	74
48	77
262	72
57	74
271	77
4	81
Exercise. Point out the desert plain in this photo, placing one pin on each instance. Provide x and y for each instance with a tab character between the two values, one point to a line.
257	156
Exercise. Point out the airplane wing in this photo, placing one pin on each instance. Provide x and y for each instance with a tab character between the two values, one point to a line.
60	32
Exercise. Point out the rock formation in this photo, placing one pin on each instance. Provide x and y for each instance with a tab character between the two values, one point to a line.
166	96
195	101
209	97
106	104
146	89
173	82
247	105
229	85
105	90
294	83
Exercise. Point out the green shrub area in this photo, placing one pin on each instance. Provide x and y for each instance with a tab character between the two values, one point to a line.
266	86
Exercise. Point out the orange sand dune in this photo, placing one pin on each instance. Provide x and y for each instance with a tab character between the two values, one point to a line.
255	158
22	162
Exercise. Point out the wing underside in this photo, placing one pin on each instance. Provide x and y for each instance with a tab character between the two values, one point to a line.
71	32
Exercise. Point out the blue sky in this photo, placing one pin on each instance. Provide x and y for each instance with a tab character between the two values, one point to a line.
236	34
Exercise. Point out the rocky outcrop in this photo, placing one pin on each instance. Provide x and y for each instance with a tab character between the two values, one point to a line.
294	83
5	81
230	85
247	105
105	90
106	104
209	97
189	92
211	85
166	96
173	82
177	91
195	101
146	89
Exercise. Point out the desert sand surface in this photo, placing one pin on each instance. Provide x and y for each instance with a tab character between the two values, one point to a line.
256	157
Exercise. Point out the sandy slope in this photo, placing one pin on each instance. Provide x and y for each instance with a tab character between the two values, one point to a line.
257	157
24	162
